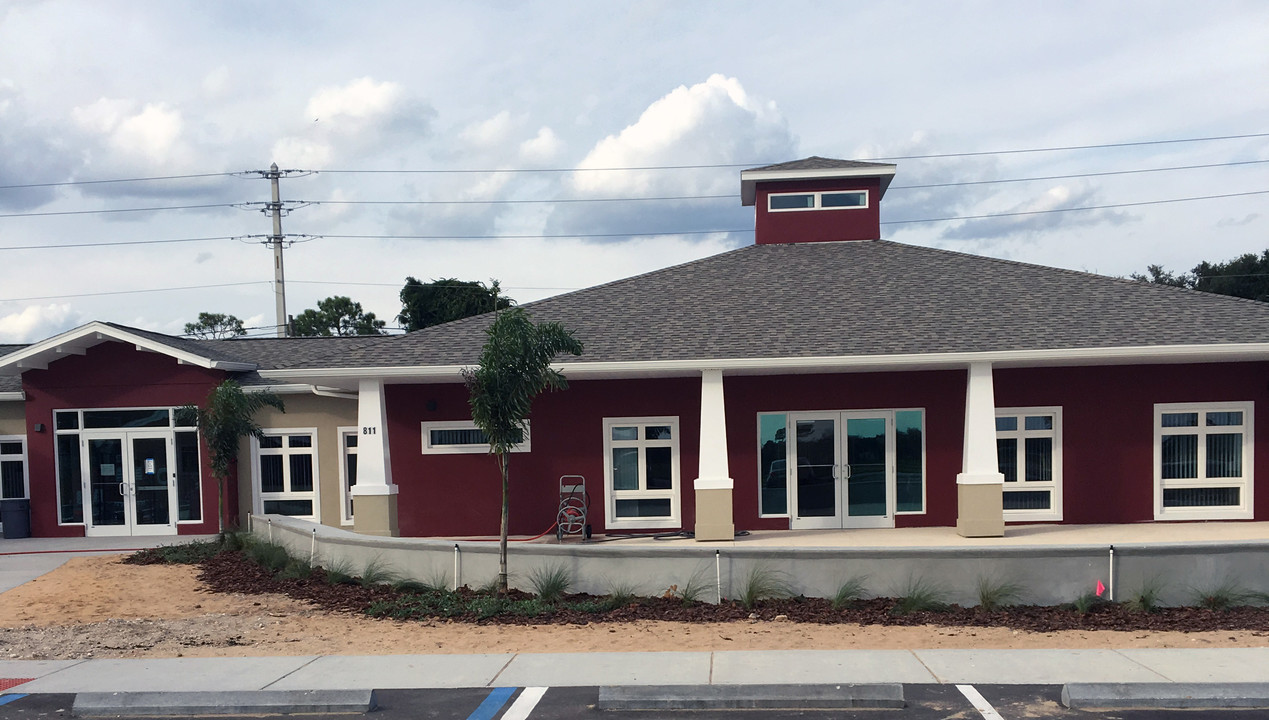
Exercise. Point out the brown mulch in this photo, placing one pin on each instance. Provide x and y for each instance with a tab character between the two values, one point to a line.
232	572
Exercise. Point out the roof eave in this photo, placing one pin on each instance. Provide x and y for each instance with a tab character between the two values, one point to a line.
1174	354
76	341
750	178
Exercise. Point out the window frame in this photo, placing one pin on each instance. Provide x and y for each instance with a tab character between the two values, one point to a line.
345	490
285	452
674	494
1246	484
819	203
468	449
1054	486
26	465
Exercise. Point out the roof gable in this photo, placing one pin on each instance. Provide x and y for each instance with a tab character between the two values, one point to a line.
37	356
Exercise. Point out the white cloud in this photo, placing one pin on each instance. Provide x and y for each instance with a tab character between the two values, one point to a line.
150	137
300	152
488	133
356	102
1050	210
543	147
218	82
36	322
359	118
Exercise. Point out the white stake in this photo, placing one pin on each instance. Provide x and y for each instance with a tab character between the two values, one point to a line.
455	567
718	574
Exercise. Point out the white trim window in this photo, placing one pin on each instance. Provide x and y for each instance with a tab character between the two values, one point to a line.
641	472
825	200
1029	451
453	437
286	480
347	471
14	481
1203	461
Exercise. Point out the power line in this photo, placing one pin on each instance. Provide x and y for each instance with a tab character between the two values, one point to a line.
533	237
1074	209
929	156
120	210
430	286
121	242
1076	175
730	196
129	292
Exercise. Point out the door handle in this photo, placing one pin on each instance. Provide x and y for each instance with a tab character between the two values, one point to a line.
123	490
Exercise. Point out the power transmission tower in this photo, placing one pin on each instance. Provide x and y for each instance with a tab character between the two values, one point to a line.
275	240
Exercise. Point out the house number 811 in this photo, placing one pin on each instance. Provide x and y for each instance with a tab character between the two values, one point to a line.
369	430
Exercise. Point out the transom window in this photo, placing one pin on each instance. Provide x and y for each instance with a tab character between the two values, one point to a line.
1203	461
13	475
286	472
835	200
462	436
641	472
1029	451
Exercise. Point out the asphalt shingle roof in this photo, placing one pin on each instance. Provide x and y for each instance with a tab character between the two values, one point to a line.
846	299
10	383
815	162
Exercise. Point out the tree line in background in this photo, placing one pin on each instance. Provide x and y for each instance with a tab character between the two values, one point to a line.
1246	276
422	305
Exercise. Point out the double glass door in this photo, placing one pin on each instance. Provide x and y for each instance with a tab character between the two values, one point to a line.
843	469
131	483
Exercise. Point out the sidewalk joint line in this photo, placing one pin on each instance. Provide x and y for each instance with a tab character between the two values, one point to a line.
501	670
928	669
1138	663
711	666
289	674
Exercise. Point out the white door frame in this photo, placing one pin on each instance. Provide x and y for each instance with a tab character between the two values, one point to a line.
125	437
841	471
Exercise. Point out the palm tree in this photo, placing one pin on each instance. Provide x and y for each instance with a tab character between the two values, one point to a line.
515	367
224	421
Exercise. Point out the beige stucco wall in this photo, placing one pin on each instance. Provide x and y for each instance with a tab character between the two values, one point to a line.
12	417
327	414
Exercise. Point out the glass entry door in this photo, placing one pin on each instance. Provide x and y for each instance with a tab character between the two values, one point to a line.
842	470
131	484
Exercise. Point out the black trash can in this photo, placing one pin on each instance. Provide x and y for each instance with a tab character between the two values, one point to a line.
16	517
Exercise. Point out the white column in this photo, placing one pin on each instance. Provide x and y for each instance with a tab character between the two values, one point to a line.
979	464
374	462
714	473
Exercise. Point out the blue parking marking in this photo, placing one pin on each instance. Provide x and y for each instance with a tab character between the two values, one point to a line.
492	704
6	699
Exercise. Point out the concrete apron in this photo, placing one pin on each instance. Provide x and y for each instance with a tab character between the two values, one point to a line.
1047	574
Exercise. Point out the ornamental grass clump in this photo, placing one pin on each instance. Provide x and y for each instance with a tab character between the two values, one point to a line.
996	594
920	595
764	583
849	593
551	582
1224	595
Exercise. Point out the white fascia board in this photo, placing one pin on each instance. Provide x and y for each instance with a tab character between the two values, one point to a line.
85	336
301	389
15	396
749	178
1174	354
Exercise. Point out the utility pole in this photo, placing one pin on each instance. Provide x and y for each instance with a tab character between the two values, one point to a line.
275	240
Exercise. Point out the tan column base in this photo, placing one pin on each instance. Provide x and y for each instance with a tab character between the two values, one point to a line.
980	510
713	515
375	515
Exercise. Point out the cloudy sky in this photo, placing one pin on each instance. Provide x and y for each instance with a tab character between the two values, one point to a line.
403	108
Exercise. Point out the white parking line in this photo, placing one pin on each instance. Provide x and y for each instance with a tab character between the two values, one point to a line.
979	702
524	704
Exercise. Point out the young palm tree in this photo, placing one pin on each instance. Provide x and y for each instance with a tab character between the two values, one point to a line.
515	367
227	417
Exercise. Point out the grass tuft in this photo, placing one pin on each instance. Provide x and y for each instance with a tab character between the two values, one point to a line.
693	590
377	572
1085	603
620	594
1224	595
339	572
550	582
850	592
996	594
190	553
1146	599
296	569
920	595
764	583
269	555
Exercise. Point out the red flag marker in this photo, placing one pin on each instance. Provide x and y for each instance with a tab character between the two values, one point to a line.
1100	588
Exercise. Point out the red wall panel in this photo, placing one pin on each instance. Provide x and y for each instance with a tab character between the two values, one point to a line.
109	375
459	495
817	225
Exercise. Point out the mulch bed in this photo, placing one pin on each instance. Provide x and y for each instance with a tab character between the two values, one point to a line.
232	572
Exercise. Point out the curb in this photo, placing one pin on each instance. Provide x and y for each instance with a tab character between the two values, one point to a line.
735	697
1165	695
257	702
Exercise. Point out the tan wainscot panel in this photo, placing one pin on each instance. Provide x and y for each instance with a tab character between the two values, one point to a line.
327	414
12	417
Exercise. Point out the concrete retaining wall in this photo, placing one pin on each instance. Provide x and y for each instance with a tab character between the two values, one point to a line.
1049	575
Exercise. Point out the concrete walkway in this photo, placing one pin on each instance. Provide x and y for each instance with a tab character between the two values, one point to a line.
332	672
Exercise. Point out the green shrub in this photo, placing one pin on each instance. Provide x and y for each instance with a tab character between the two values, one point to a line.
763	583
297	569
693	590
920	595
1146	599
620	594
849	592
1085	603
190	553
996	594
269	555
551	582
339	572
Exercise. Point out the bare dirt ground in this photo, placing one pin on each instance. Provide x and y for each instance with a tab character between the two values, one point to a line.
98	607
